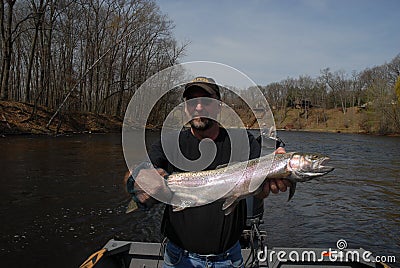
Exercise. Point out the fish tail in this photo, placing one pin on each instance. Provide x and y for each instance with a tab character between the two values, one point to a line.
132	206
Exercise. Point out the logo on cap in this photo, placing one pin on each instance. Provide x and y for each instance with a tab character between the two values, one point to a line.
204	80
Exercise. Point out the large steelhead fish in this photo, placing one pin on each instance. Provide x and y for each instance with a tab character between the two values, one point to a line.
238	181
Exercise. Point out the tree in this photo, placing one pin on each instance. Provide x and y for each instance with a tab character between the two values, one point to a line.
38	14
6	23
87	55
397	89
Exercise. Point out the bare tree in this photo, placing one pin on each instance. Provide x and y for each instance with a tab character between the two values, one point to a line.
38	14
6	24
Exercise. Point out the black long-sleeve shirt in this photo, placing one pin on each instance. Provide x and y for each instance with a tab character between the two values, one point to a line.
204	229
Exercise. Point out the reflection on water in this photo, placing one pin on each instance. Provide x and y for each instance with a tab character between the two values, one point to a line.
63	198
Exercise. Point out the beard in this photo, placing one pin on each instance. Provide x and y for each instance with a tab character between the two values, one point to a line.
201	123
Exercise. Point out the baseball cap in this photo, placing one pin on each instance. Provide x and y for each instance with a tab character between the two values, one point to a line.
206	83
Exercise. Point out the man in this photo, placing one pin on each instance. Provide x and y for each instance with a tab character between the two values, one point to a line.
202	236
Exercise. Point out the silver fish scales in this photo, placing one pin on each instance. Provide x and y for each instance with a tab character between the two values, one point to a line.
238	181
233	182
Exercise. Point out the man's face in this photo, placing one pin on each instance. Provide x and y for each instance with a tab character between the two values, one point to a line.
202	110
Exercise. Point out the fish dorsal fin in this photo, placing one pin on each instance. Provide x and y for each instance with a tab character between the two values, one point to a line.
222	166
225	165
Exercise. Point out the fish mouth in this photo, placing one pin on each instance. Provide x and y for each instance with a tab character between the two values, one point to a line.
324	169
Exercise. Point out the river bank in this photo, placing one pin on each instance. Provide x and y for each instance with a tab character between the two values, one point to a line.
18	118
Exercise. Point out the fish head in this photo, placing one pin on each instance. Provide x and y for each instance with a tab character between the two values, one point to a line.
306	166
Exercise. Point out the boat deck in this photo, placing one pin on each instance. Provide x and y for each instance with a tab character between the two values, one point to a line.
149	255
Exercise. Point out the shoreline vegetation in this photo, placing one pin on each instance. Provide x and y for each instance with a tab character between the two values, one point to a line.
16	118
64	70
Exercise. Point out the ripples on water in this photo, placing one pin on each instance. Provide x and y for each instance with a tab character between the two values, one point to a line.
358	201
63	198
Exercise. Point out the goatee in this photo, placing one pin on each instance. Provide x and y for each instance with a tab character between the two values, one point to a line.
201	123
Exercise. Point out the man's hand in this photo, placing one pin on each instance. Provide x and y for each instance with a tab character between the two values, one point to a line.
141	195
274	185
280	150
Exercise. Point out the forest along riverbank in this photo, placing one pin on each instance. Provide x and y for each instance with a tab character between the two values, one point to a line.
24	118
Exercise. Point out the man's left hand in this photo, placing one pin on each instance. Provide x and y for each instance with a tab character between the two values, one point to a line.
274	185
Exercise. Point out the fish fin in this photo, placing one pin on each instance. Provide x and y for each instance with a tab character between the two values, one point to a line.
177	208
230	208
292	189
222	166
227	164
228	202
230	205
132	206
255	185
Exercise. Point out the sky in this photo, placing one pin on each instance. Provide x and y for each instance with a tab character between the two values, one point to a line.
270	41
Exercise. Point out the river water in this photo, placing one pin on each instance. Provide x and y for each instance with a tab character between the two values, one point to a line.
63	198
